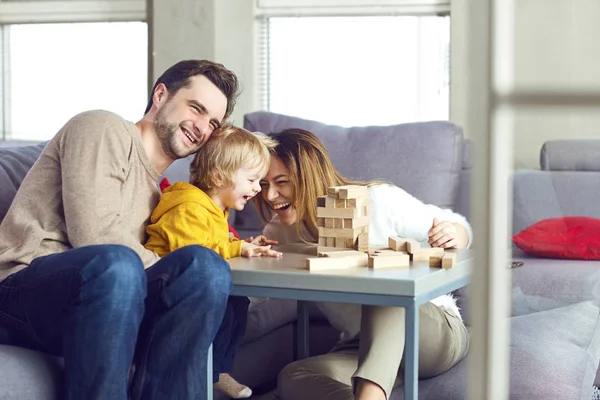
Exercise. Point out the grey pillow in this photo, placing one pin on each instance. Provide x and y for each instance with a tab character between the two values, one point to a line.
15	162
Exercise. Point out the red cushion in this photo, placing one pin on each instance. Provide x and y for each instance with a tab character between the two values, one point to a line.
576	238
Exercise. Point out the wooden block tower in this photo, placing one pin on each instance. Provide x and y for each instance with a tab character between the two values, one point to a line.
343	218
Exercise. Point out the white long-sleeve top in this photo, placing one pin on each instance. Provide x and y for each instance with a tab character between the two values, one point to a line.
394	212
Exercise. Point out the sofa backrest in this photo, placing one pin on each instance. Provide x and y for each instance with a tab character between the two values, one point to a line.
424	158
15	162
567	185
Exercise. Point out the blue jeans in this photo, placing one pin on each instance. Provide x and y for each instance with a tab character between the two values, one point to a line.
100	310
230	335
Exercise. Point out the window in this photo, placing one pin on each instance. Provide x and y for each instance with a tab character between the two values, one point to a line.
357	70
53	71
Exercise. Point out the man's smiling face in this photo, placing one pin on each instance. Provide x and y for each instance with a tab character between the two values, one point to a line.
187	119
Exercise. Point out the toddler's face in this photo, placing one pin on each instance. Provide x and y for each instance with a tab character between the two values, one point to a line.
246	185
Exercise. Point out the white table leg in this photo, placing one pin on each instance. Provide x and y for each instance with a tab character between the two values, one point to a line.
411	353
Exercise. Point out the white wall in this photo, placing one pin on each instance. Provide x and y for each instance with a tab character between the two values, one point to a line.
557	46
218	30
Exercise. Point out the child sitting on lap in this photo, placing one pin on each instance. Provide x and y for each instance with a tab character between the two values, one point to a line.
224	174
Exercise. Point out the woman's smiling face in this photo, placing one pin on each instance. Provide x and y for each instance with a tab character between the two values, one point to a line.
277	191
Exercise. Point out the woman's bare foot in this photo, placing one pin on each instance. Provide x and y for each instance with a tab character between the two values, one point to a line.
367	390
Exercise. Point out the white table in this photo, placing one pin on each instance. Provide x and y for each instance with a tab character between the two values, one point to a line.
287	278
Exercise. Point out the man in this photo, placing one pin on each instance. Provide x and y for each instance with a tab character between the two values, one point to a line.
75	279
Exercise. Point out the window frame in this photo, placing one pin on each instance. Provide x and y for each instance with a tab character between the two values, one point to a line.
55	11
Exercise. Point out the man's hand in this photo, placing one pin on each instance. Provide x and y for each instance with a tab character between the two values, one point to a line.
252	250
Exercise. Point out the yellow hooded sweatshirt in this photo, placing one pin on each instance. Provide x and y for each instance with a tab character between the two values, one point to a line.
185	215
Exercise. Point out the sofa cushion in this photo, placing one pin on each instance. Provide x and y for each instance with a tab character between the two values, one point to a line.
423	158
554	354
29	375
564	237
15	162
570	155
542	284
539	195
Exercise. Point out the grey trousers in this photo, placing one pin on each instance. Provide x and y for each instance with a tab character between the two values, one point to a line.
377	355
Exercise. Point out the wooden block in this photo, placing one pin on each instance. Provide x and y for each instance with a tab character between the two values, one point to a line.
330	202
338	223
339	233
343	262
357	222
448	260
358	202
329	222
363	241
339	253
337	212
324	249
425	254
397	243
322	241
435	261
398	260
321	222
322	201
330	241
412	245
340	243
386	252
352	192
340	203
333	191
364	211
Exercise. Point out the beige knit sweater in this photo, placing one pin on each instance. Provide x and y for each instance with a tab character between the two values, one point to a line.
93	184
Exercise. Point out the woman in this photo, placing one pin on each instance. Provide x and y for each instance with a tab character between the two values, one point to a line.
366	364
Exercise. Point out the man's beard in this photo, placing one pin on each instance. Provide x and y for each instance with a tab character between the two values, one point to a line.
167	136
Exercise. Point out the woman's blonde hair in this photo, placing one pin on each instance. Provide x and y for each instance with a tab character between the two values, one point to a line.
229	149
311	172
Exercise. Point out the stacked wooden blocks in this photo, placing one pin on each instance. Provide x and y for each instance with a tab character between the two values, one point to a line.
343	218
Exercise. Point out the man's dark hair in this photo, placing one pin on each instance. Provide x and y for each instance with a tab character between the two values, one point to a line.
178	76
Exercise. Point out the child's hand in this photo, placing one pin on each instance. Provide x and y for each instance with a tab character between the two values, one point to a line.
263	241
252	250
443	234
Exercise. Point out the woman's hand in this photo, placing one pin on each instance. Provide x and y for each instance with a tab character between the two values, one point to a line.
252	250
447	235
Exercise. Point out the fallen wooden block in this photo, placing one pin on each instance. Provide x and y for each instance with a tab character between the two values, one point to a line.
426	253
412	245
448	260
397	243
386	260
339	253
435	261
343	262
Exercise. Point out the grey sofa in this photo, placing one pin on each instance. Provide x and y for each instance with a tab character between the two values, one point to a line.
550	359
